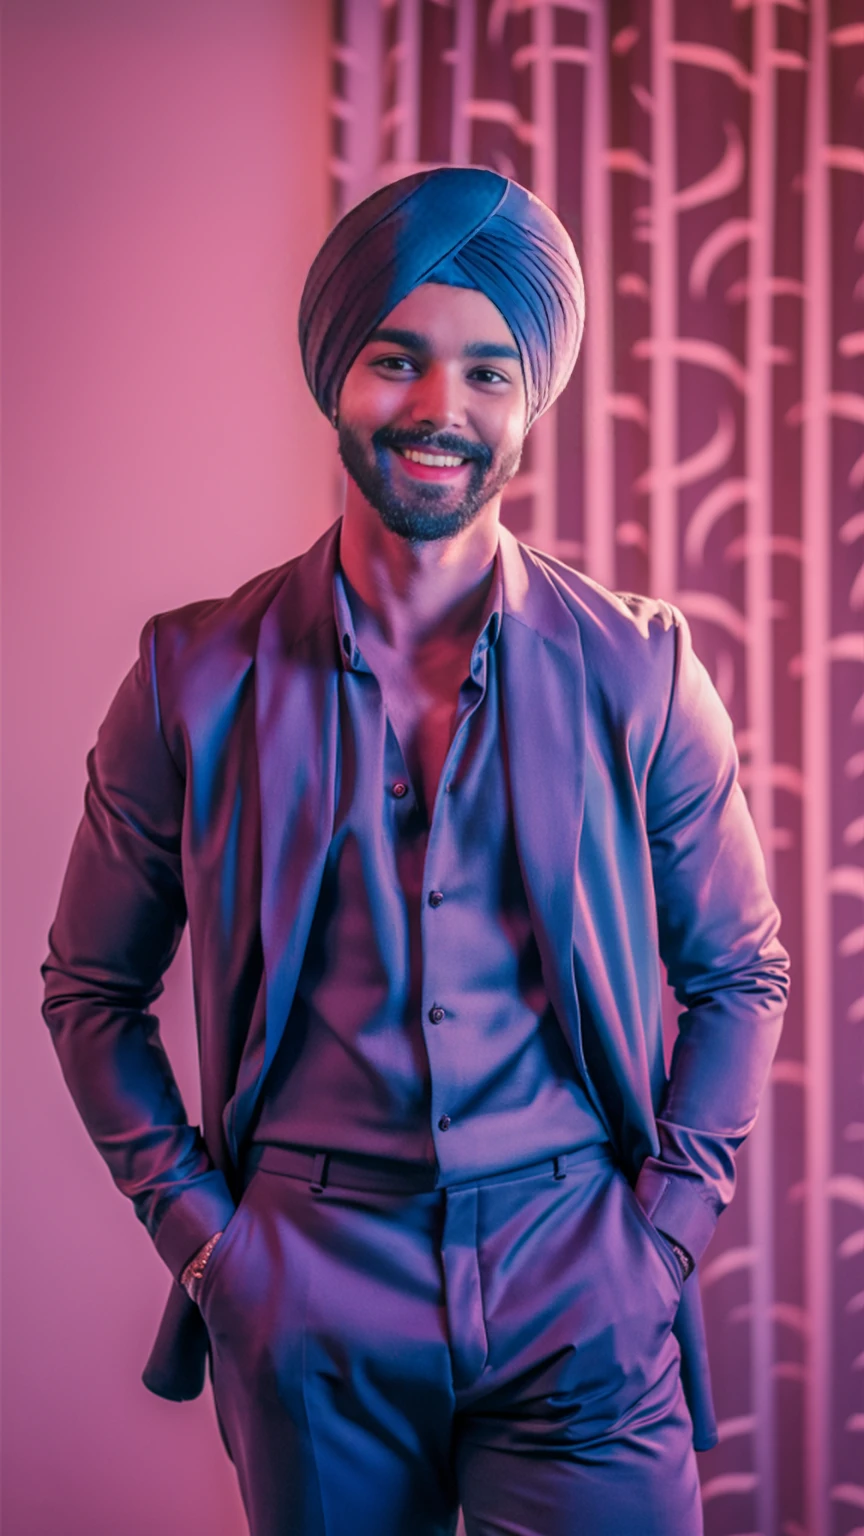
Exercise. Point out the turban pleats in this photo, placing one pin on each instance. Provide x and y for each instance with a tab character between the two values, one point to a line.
466	227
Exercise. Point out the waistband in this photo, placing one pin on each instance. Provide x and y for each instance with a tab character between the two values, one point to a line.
348	1170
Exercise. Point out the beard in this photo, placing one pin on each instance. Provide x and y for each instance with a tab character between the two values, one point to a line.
424	515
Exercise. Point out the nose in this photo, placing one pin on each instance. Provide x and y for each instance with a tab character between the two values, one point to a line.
436	398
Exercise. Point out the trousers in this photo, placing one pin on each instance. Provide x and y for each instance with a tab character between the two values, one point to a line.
381	1357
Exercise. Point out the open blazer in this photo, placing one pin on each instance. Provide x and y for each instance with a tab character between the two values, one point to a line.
211	798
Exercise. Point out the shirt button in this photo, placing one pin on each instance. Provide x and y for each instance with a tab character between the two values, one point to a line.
444	1123
400	789
436	1014
436	898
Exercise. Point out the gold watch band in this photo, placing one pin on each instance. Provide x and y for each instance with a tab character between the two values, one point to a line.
192	1275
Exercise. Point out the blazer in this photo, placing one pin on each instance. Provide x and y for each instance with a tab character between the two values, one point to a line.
210	799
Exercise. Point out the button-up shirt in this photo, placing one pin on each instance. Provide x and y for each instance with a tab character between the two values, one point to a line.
421	1028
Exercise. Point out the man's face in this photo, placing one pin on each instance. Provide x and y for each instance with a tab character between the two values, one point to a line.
432	412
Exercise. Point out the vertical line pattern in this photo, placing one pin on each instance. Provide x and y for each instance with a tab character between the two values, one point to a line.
598	446
759	668
463	82
363	81
544	437
357	172
408	89
816	527
664	273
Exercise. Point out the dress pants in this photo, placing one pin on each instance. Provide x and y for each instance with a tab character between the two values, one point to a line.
380	1358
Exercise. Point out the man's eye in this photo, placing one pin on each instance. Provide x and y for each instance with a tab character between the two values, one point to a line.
489	376
394	364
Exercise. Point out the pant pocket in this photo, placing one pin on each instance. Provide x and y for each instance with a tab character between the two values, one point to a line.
658	1242
221	1258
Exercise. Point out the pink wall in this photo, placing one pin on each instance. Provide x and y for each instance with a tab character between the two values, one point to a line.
164	190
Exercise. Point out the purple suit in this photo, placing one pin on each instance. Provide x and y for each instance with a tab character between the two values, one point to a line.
211	797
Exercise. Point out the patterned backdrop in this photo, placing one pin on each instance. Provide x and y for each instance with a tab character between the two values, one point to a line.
707	159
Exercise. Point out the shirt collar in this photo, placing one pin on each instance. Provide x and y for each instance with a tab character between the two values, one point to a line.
349	650
490	623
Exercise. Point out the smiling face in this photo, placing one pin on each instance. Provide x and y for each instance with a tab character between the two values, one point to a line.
432	413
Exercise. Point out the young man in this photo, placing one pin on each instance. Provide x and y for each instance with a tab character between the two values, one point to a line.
435	806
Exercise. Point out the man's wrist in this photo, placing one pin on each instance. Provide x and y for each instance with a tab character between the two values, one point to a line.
193	1273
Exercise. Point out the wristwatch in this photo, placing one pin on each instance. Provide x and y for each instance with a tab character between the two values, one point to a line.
192	1275
681	1254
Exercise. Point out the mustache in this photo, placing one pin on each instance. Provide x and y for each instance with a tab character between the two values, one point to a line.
445	442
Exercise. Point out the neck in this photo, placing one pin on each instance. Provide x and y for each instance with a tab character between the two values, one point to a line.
415	591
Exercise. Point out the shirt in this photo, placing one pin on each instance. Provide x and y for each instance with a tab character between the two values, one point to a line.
421	1028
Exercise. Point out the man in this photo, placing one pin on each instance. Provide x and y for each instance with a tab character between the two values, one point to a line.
434	805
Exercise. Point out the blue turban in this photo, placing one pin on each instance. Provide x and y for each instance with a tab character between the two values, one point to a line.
468	228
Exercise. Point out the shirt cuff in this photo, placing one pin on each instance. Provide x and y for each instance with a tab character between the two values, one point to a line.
205	1207
675	1205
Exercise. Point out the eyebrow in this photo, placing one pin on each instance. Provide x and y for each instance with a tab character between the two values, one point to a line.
490	349
414	341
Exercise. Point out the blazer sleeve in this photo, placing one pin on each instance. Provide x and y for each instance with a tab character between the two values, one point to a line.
718	927
119	921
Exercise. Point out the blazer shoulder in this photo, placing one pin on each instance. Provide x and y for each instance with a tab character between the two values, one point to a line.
203	655
229	627
607	618
220	620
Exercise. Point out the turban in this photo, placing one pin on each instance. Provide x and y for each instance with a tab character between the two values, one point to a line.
465	227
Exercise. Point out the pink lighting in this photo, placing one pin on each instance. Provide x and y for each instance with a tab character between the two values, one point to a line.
169	172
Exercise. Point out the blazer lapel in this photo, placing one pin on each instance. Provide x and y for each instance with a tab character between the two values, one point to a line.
543	707
297	670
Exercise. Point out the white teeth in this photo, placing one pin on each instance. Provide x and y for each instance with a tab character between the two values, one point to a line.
434	460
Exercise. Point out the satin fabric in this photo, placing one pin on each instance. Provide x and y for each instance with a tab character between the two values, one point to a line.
362	1066
462	226
210	798
507	1344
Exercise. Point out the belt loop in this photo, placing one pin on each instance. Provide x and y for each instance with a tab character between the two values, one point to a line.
320	1167
560	1169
